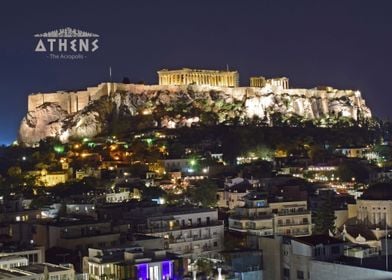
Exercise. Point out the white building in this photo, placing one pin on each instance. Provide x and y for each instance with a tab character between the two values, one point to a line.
262	217
87	209
130	263
189	232
38	272
8	262
32	254
321	270
117	197
289	258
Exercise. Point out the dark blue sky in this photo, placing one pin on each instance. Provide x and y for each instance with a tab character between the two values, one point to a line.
345	44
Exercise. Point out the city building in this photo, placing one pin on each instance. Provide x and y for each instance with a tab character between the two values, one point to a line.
38	272
374	207
50	178
354	152
243	264
189	232
78	235
75	208
117	197
33	254
261	81
88	172
132	262
16	219
232	194
263	216
7	262
289	258
188	76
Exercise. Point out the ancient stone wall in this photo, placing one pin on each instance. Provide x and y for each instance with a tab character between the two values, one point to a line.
73	102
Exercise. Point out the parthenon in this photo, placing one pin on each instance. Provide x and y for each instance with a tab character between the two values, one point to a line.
188	76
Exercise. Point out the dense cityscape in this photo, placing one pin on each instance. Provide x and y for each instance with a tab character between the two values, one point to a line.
172	140
283	197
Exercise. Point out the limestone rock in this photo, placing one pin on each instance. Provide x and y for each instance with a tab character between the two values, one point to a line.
178	106
45	121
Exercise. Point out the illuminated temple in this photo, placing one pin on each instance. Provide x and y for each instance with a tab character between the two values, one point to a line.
186	76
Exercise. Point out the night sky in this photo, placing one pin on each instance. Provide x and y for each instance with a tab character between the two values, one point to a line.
345	44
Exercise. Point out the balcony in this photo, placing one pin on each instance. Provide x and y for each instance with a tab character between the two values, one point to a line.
177	227
293	224
250	217
263	231
87	233
301	212
191	239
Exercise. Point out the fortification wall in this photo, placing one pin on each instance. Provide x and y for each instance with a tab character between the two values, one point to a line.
77	100
70	101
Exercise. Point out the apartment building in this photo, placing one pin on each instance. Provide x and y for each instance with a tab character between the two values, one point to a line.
38	272
133	262
79	235
264	215
189	232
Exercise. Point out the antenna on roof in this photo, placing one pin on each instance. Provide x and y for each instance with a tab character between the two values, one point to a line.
110	73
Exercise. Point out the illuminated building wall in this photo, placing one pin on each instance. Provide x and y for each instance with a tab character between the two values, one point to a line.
187	76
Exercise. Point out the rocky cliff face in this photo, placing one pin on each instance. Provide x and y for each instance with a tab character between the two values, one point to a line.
186	106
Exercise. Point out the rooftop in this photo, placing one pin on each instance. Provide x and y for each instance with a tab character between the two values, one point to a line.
377	262
5	274
39	268
379	191
315	240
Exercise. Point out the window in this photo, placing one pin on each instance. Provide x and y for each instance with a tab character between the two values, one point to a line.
317	252
335	250
286	272
300	274
215	244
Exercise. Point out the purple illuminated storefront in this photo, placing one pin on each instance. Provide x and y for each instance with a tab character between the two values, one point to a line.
155	270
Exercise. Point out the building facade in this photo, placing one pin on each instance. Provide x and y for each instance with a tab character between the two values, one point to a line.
38	272
262	217
261	81
188	76
132	263
79	235
289	258
188	232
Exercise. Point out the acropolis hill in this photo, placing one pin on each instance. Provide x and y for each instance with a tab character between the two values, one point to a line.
206	94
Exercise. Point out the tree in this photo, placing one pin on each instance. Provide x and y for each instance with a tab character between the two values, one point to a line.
204	193
324	216
15	177
14	171
353	169
205	266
